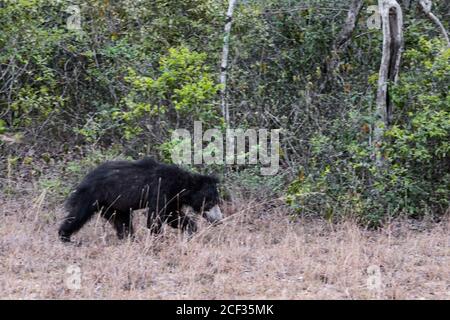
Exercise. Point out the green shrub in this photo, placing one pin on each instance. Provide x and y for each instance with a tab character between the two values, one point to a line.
183	92
342	180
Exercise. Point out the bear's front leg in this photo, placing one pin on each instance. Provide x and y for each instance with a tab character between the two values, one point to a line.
154	222
182	220
123	224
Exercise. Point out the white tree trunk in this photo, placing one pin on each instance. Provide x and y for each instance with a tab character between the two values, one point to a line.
224	64
392	24
425	5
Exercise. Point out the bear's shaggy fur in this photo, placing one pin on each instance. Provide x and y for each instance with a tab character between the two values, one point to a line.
116	188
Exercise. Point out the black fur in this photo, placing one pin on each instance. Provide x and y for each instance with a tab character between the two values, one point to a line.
116	188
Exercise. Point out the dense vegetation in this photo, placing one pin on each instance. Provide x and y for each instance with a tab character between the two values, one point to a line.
139	69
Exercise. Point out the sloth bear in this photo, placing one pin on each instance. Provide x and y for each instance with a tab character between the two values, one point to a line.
116	188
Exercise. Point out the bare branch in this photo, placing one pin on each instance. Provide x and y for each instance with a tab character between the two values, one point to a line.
426	5
342	40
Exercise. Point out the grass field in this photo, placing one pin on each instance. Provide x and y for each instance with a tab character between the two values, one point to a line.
258	252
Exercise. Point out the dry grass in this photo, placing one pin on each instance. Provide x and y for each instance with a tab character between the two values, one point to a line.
257	253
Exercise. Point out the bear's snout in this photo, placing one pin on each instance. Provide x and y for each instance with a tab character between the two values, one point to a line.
214	215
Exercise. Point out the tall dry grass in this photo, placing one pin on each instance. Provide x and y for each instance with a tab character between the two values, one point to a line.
258	252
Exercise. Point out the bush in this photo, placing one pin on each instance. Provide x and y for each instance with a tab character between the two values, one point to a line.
184	91
342	180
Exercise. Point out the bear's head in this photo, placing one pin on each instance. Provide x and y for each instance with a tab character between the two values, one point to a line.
203	197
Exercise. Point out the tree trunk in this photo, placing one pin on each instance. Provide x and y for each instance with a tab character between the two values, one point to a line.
224	64
425	5
392	24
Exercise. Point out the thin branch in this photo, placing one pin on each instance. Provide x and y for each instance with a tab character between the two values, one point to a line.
224	64
425	5
342	42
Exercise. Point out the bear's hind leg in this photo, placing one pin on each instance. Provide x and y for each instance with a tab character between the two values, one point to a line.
76	218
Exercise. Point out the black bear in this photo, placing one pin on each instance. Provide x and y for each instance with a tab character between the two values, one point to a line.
116	188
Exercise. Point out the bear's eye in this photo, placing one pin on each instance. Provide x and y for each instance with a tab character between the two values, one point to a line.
208	206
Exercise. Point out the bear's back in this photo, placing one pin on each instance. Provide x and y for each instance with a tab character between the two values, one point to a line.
109	166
